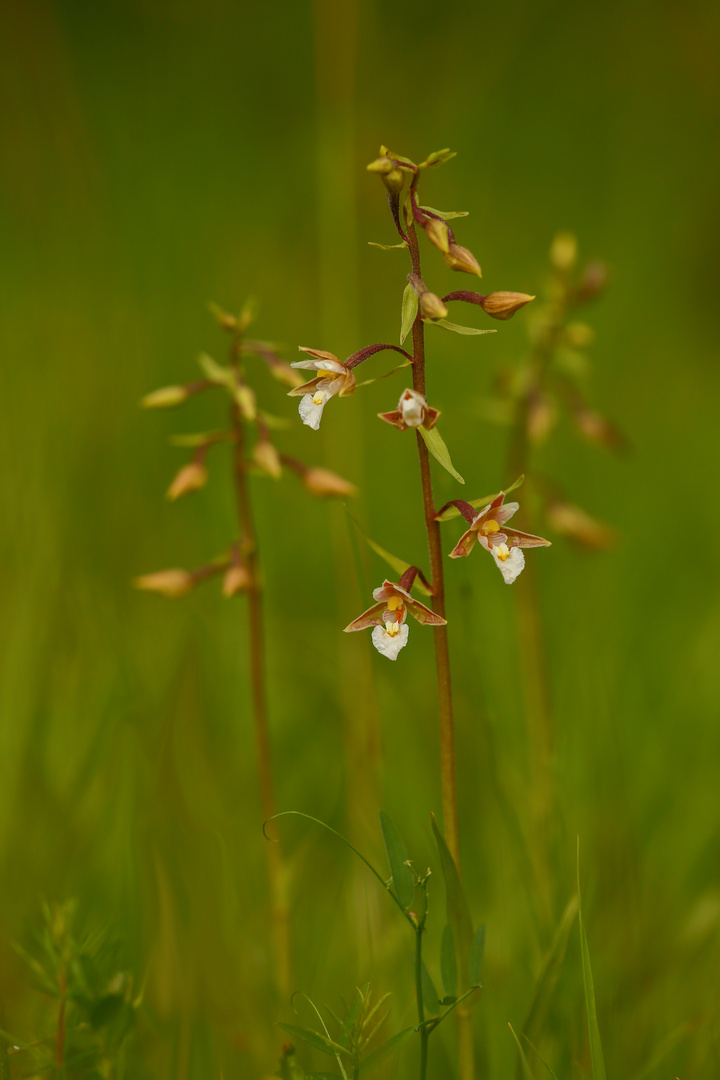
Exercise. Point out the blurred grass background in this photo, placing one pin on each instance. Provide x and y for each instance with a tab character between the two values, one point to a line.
157	155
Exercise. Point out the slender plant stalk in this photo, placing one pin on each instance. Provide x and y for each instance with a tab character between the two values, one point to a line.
249	552
466	1050
60	1040
424	1032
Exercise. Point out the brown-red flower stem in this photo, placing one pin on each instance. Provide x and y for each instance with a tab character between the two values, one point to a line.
442	657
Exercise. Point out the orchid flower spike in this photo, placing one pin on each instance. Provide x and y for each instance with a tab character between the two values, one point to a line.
488	527
389	614
335	378
412	411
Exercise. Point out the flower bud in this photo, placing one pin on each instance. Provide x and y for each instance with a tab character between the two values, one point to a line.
245	398
592	282
189	478
578	335
503	305
324	483
382	165
394	181
432	307
267	458
563	252
437	233
571	521
541	417
459	258
237	579
226	321
169	583
166	397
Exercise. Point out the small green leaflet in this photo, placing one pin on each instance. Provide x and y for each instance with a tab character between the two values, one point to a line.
460	329
388	247
446	215
402	879
436	445
392	560
453	512
366	382
409	311
477	954
320	1042
438	157
199	439
448	962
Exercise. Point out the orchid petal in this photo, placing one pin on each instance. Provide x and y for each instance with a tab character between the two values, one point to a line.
522	539
512	566
306	388
390	644
505	512
424	615
310	412
371	617
465	544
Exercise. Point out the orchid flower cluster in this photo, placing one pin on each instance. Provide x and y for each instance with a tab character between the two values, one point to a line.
236	565
421	307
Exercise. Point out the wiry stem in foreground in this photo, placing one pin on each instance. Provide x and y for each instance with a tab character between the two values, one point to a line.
248	551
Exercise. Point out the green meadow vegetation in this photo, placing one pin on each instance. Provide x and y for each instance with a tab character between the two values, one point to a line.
189	193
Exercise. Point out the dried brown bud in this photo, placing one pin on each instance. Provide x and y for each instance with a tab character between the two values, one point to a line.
563	252
571	521
432	307
189	478
267	458
324	483
166	397
170	583
437	233
503	305
237	579
459	258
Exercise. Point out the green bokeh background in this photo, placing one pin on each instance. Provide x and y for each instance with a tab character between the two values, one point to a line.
157	155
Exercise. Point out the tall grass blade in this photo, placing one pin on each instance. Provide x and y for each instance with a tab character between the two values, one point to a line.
596	1054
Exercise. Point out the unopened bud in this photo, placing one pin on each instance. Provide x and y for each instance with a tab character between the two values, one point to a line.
237	579
166	397
592	282
226	321
437	233
563	251
578	335
267	458
598	429
324	483
394	181
541	417
459	258
245	399
170	583
189	478
574	523
282	371
503	305
382	165
432	307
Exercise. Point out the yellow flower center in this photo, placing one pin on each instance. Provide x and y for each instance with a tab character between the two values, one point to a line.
394	603
490	526
392	629
318	398
502	551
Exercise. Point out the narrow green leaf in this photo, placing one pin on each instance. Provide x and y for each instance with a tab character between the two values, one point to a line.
448	962
527	1071
469	330
536	1051
392	560
402	878
377	378
436	445
484	500
388	247
383	1051
458	911
477	954
446	215
438	157
431	1001
314	1038
409	311
214	371
596	1054
549	972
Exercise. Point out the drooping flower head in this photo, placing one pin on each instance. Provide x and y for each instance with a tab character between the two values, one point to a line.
488	528
334	378
389	614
